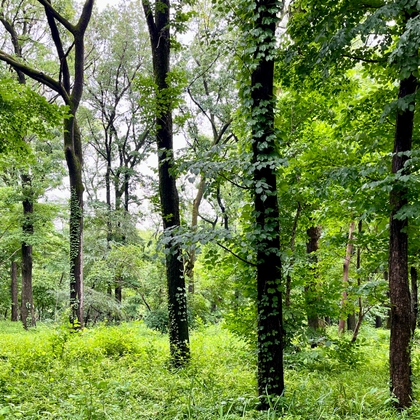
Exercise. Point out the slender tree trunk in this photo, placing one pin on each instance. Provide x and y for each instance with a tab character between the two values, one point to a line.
27	309
399	291
27	306
14	292
292	249
118	290
267	242
346	267
311	294
190	263
351	319
414	299
158	23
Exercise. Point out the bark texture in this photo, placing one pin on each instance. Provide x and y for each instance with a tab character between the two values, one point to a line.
158	21
399	291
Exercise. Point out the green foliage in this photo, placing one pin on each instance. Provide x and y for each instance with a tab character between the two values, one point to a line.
22	113
121	373
157	320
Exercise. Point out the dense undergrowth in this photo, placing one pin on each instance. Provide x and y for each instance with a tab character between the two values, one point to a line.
122	372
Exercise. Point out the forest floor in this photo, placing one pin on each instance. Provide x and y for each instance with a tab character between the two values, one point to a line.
121	372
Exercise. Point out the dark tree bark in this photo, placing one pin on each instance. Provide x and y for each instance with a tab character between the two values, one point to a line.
399	291
14	292
311	294
27	311
158	21
267	242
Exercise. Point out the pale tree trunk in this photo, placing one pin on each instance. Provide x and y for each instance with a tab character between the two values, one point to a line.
292	249
14	292
190	263
346	268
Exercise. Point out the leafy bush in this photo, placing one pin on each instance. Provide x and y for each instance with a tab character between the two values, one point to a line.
157	320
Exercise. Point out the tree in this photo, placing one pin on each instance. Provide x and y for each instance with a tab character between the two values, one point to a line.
259	35
158	22
71	93
339	36
114	123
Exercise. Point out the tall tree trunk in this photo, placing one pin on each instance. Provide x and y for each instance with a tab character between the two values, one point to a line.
346	268
73	153
414	299
351	319
158	24
292	249
27	311
311	294
267	242
14	292
399	291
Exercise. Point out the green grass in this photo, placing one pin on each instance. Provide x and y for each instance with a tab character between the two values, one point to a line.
123	373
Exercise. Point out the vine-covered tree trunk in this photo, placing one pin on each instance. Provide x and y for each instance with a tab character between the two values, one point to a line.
158	21
27	311
399	291
267	242
311	293
14	292
73	153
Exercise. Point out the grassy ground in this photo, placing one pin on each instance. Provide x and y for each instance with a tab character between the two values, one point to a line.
122	373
